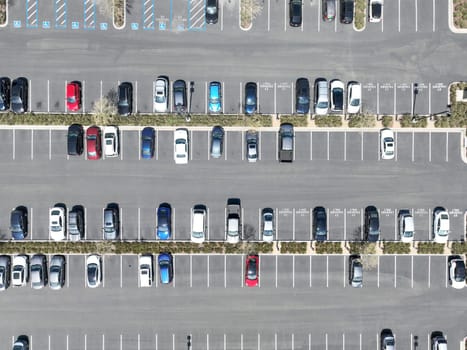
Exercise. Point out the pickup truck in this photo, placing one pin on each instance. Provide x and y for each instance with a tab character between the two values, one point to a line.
234	220
286	143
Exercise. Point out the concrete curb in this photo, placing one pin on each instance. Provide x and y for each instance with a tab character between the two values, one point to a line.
124	17
240	18
6	15
452	27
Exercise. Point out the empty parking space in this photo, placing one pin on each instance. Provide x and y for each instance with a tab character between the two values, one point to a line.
387	270
217	271
388	224
302	146
92	92
284	224
302	272
130	226
22	141
284	99
199	271
147	223
235	266
58	145
438	147
336	224
354	146
438	277
404	271
40	222
268	146
370	146
233	145
354	224
266	97
182	271
128	271
422	147
370	98
421	271
405	146
56	94
319	271
337	147
41	140
302	224
250	221
386	98
165	145
454	146
319	145
403	98
269	266
76	271
421	98
200	145
336	274
286	271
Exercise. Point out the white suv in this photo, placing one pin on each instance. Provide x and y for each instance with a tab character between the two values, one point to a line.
20	271
406	227
145	271
440	225
57	224
198	225
110	141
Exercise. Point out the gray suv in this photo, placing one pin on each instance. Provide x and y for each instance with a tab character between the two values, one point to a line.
111	222
355	271
38	271
76	223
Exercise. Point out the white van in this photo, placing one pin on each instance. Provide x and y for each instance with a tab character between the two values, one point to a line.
198	224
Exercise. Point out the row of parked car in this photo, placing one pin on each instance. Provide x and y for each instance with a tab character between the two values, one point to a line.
71	224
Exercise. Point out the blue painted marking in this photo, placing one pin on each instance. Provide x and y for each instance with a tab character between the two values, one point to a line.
17	24
149	26
134	26
46	24
180	27
93	15
162	25
58	17
33	9
104	26
74	25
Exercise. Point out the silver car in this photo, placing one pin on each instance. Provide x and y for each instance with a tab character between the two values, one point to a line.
5	272
57	272
355	271
38	267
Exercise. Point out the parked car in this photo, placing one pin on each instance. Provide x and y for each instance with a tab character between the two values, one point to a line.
198	224
73	96
295	13
179	96
438	341
111	145
320	224
354	97
38	271
286	142
267	216
21	343
165	261
5	272
20	271
302	96
76	223
372	229
456	268
93	142
233	231
5	94
441	225
93	271
387	143
337	95
57	223
251	99
125	99
347	11
321	97
355	271
387	340
212	10
161	95
164	221
252	146
19	95
111	221
406	226
375	11
215	97
57	272
217	141
19	223
329	10
146	275
148	136
75	140
181	146
252	271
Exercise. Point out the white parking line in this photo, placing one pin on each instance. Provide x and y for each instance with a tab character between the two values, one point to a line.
395	99
205	100
209	143
434	12
207	341
377	98
31	222
139	341
259	341
50	144
84	96
429	271
446	271
285	15
328	144
360	341
103	271
225	271
156	340
275	99
429	97
173	341
413	146
345	225
191	270
416	16
48	96
67	265
395	271
101	96
361	224
345	145
241	272
447	146
103	341
343	341
139	142
411	272
277	224
395	155
311	145
208	272
378	271
67	342
14	146
65	106
276	271
361	133
157	144
343	269
327	271
241	341
429	146
85	341
173	223
32	144
293	224
311	265
309	341
292	98
121	273
311	222
225	142
293	271
275	341
326	341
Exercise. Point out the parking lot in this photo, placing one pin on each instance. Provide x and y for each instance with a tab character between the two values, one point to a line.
180	15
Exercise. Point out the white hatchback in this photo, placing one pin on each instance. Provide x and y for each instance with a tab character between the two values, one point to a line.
406	227
20	271
161	95
57	225
181	147
387	143
110	141
354	97
145	271
441	226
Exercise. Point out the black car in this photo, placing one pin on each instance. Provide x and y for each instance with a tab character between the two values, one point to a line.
19	223
75	139
347	7
5	94
212	11
19	95
251	102
372	230
320	227
179	92
217	141
295	13
302	96
125	98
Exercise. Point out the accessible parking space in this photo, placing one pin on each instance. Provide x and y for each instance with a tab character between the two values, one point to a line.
200	145
302	224
266	97
336	224
235	268
178	19
199	271
354	224
302	145
319	145
284	224
284	99
129	270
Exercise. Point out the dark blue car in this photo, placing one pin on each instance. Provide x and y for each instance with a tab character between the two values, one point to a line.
19	223
250	98
147	142
165	267
164	221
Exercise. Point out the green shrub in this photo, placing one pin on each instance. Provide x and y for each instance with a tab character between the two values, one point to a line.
360	14
406	122
362	121
328	248
459	248
387	121
296	119
328	121
430	248
293	247
362	248
396	248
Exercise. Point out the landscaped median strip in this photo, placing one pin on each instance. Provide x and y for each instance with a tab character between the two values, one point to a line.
179	247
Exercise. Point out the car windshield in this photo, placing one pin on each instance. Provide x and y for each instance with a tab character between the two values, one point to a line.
180	141
15	99
92	137
303	99
252	269
376	10
109	142
160	95
322	104
36	268
55	227
355	102
459	272
92	272
71	99
212	10
408	234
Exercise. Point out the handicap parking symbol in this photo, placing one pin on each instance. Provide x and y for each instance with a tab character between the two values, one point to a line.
162	25
46	24
134	26
180	27
74	25
103	26
17	24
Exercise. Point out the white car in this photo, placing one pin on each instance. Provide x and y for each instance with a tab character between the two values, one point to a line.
181	146
354	97
387	143
440	225
198	224
337	96
20	271
375	11
161	95
268	224
110	141
145	271
93	271
57	224
406	227
456	272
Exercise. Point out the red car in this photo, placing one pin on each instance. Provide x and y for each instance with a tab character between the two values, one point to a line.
73	96
93	142
252	271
